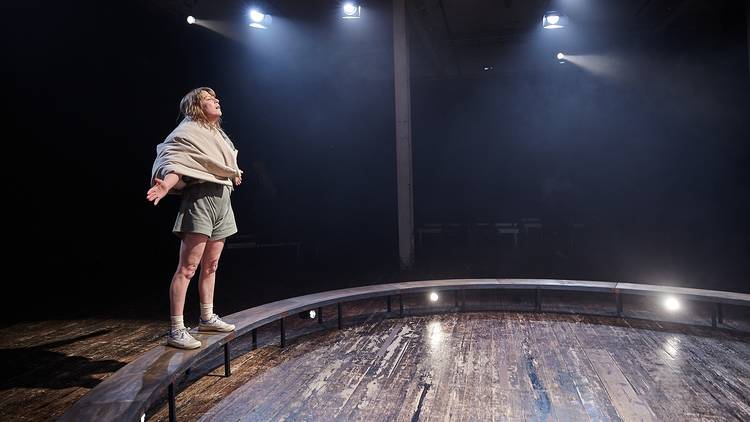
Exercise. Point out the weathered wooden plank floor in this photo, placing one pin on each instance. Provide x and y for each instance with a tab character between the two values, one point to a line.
486	366
47	366
455	366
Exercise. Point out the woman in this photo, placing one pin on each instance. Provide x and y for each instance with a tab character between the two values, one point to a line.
198	161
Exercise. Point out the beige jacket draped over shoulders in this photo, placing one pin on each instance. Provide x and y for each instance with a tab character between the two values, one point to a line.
198	152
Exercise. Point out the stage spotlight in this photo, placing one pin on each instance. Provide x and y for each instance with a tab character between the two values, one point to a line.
561	58
434	297
672	304
256	16
190	20
351	11
554	20
259	19
311	314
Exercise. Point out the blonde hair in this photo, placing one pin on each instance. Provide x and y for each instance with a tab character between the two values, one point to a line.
190	107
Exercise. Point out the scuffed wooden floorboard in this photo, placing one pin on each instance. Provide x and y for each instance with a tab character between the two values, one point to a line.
628	403
67	359
507	366
496	366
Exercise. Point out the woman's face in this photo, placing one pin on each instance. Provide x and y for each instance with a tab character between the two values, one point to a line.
210	106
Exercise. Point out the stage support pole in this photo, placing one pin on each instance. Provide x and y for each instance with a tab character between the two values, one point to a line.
402	90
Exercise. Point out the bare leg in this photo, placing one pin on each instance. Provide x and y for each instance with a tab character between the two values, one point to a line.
191	252
209	264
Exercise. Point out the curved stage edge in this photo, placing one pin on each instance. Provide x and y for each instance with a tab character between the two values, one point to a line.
131	391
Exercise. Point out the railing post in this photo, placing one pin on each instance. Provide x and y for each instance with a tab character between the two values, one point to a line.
538	300
713	317
618	299
400	306
388	303
720	312
255	338
172	406
320	315
338	308
455	298
227	368
283	333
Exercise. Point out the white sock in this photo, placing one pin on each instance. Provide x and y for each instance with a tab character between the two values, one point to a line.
177	322
207	311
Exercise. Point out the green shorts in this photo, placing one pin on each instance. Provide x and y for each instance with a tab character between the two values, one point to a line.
206	208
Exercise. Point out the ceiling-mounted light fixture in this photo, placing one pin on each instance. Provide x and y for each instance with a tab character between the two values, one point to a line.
259	19
351	10
554	20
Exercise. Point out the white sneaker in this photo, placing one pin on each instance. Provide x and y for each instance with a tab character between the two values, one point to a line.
182	339
215	324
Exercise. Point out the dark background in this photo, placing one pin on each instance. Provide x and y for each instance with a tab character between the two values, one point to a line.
638	174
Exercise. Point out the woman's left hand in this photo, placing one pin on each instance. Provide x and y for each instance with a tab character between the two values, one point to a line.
237	180
158	191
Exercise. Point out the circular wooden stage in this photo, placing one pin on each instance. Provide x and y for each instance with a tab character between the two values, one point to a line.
497	358
516	366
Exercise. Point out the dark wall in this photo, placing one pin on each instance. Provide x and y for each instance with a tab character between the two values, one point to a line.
648	151
95	88
657	164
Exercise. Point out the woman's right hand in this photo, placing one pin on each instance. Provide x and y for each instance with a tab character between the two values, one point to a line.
158	191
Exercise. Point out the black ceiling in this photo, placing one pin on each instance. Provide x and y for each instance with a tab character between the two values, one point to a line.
460	38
